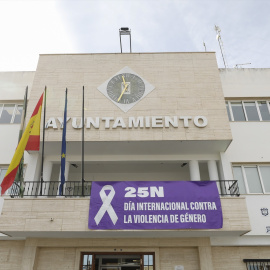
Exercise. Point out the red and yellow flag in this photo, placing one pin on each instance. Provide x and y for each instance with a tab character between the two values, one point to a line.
15	162
34	138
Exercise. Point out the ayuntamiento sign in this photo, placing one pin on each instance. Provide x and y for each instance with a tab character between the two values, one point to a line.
155	205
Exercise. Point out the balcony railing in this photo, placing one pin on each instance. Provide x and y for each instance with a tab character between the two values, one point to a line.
79	189
257	264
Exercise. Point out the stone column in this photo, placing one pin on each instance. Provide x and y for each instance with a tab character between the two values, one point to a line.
47	170
205	255
33	167
194	170
212	169
30	254
66	174
32	174
226	172
66	171
213	173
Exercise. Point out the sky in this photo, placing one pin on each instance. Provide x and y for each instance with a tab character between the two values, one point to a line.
29	28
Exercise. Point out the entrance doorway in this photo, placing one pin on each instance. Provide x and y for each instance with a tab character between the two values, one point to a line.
127	261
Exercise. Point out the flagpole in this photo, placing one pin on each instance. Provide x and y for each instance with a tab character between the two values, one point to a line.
42	156
83	143
20	169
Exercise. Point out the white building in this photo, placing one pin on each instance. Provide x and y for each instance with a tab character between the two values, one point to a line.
176	128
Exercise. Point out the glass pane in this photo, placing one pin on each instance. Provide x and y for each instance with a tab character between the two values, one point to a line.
251	110
87	262
238	112
131	261
150	259
264	110
18	114
2	174
238	175
265	173
7	114
145	260
110	268
110	261
253	180
228	111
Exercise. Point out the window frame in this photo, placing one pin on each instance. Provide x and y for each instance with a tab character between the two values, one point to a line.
244	109
257	166
4	168
16	106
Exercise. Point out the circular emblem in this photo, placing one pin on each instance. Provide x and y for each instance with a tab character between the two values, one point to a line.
126	88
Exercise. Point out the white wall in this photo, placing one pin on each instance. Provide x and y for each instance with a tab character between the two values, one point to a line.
9	135
245	82
251	142
13	84
258	221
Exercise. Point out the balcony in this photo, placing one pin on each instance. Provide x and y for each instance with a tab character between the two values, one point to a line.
83	189
50	215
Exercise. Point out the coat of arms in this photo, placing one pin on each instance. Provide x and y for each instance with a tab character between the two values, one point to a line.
264	211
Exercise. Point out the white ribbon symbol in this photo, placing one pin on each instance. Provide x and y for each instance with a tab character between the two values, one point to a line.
106	206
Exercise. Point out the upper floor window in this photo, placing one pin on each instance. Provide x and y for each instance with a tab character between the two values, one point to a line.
248	110
252	178
3	172
10	113
257	264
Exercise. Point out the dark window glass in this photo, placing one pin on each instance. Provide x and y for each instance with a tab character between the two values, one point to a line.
110	261
264	110
251	111
238	112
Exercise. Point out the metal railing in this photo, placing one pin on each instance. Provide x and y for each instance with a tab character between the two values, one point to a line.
257	264
228	188
75	189
51	189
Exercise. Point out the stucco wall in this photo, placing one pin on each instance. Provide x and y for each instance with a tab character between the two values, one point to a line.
245	82
225	258
11	253
13	84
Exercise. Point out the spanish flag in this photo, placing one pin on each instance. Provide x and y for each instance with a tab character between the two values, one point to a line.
15	162
34	138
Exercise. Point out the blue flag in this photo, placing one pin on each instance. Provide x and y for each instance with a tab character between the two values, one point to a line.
63	150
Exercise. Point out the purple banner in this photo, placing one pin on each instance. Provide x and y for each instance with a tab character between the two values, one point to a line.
155	205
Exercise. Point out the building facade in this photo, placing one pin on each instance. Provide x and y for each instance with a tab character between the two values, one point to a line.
151	117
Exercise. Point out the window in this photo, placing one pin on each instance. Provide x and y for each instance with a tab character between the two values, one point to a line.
253	264
3	172
15	187
248	110
252	178
112	261
10	113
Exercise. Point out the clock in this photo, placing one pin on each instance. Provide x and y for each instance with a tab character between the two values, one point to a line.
126	88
